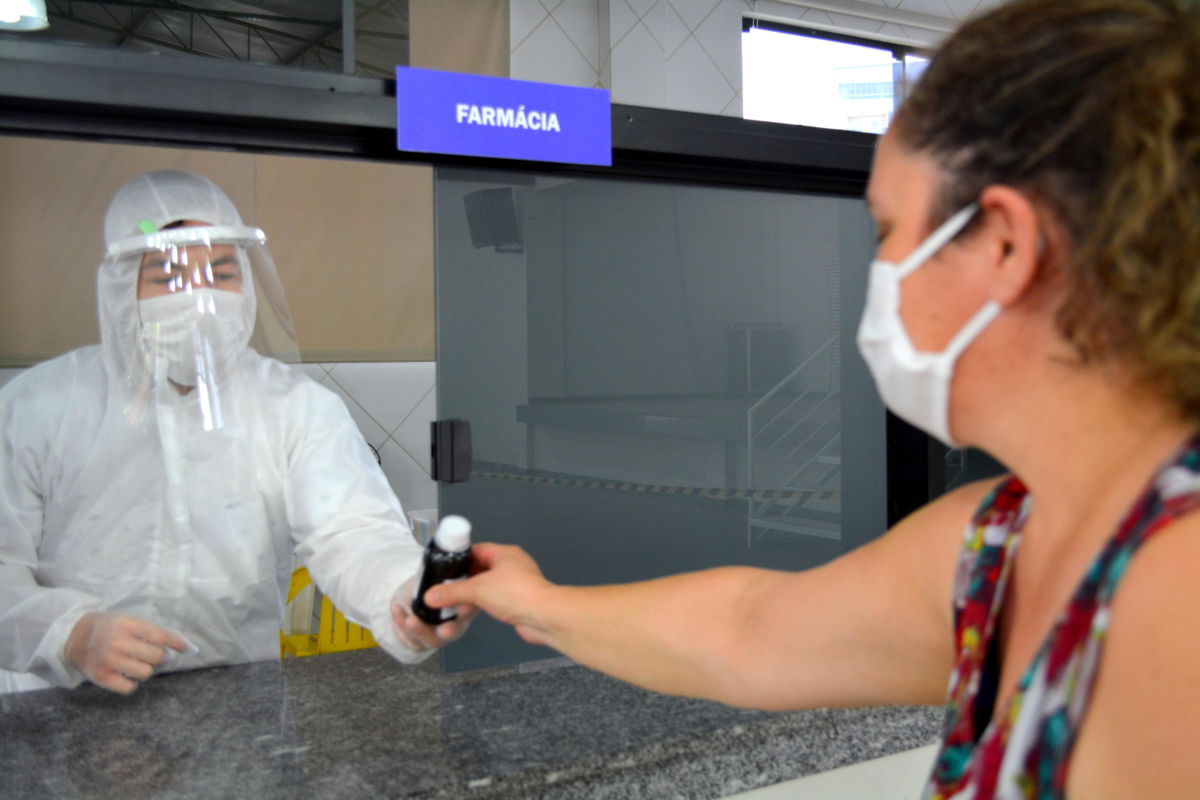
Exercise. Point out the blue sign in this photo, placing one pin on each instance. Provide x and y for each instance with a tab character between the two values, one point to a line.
473	115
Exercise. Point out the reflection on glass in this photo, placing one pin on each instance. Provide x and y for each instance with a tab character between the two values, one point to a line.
307	35
654	374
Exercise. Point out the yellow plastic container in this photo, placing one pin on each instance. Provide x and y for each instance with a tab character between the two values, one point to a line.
334	634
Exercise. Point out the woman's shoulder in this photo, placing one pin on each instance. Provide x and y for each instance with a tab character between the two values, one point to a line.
1147	677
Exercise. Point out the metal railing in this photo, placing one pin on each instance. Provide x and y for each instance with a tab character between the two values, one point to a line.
790	435
756	433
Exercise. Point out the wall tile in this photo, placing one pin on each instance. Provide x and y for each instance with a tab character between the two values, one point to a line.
547	54
371	430
675	30
693	12
638	70
604	37
693	81
720	35
407	390
654	21
972	6
636	42
642	7
734	107
621	20
315	371
895	31
815	16
579	20
409	481
961	9
934	8
523	17
413	434
922	35
626	45
854	23
388	392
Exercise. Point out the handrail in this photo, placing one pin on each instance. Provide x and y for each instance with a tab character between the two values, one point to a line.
824	448
783	459
791	376
795	402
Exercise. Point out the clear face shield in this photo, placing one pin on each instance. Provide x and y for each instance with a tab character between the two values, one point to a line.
185	312
181	306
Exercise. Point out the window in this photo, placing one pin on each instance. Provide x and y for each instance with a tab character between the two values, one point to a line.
807	78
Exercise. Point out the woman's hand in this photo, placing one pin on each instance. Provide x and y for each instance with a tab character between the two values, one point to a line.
506	583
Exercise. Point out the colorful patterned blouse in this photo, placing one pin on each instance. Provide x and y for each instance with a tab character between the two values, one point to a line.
1023	751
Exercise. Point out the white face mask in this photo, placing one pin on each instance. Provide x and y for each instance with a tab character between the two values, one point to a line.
194	334
915	385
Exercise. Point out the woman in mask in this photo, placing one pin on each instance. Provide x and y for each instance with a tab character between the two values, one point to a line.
155	488
1036	295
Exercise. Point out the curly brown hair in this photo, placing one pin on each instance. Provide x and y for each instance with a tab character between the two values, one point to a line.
1092	108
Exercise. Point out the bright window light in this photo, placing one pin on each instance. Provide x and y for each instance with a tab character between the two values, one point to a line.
807	80
23	15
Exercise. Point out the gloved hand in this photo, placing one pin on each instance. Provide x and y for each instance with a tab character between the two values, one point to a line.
418	636
117	651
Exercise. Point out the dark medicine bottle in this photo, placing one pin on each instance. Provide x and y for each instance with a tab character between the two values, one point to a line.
447	558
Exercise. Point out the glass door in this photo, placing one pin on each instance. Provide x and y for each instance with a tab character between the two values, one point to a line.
659	377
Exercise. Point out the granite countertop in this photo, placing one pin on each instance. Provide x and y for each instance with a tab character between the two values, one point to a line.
359	725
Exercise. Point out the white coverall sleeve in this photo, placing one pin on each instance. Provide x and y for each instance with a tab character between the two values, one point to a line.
35	620
347	522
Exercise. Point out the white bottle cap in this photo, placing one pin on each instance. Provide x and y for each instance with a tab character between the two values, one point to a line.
453	533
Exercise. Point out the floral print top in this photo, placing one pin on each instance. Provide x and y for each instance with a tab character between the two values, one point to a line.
1024	750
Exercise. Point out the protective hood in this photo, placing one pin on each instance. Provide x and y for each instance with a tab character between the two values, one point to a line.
141	235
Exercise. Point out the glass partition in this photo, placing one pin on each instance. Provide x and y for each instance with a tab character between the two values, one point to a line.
659	377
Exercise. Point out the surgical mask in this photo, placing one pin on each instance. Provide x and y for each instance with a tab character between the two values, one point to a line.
195	334
915	384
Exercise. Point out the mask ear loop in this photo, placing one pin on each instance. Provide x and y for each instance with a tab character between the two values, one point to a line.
937	240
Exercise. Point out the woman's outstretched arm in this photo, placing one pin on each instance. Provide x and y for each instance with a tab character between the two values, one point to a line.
872	627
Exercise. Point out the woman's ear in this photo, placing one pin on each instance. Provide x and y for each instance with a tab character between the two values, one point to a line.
1015	242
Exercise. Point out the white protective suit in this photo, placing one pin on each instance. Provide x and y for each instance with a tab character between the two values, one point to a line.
92	516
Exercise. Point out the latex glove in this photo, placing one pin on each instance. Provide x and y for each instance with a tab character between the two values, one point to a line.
117	651
415	634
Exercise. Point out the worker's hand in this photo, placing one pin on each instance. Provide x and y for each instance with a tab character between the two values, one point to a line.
117	651
418	636
505	582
